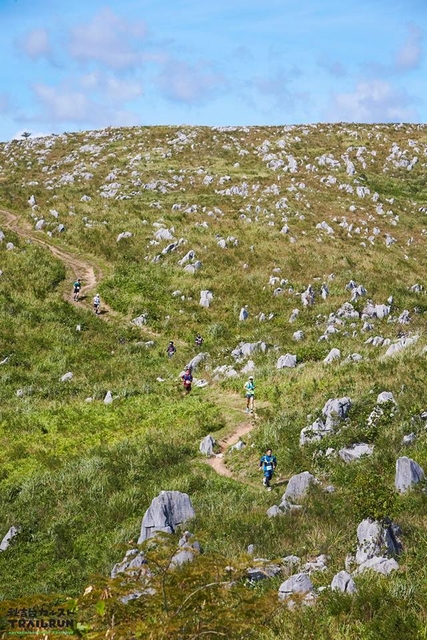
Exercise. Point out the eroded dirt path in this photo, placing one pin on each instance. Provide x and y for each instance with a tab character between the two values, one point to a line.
91	275
218	462
76	267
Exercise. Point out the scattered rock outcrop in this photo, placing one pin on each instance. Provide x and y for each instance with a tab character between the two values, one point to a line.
207	445
4	544
408	473
166	512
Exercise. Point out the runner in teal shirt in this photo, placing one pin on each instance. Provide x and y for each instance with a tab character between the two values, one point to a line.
250	394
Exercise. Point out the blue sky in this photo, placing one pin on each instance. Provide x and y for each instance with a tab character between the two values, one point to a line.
87	64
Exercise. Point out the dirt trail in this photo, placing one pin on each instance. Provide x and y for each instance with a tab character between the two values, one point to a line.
218	463
78	267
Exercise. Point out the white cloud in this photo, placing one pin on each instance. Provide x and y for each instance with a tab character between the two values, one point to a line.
36	44
67	104
372	101
190	83
109	40
409	55
62	104
117	89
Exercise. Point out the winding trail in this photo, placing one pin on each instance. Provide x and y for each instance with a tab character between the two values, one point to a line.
91	275
76	267
218	462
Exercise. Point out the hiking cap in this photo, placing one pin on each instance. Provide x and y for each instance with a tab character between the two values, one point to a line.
251	377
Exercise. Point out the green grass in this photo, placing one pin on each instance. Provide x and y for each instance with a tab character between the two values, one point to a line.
77	476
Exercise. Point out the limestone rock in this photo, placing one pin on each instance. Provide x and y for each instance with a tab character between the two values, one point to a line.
246	349
13	531
274	511
343	582
334	354
188	549
140	321
287	360
238	446
355	452
319	564
206	298
244	313
336	410
376	540
194	362
263	571
378	564
384	397
298	583
315	432
123	235
298	486
207	445
168	510
131	563
408	473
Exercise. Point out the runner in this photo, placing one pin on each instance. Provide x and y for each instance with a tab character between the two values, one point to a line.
198	341
76	289
97	304
250	394
187	379
171	350
267	464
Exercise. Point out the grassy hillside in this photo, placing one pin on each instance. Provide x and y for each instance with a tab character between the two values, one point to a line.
265	212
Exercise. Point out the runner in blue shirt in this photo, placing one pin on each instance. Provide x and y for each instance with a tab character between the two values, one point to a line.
267	464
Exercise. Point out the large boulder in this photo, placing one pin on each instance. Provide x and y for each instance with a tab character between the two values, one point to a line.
343	582
206	298
379	565
287	360
298	486
246	349
263	571
384	397
336	410
376	540
188	548
166	512
314	432
334	354
298	583
355	452
207	445
194	362
408	473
